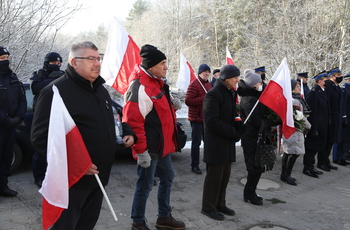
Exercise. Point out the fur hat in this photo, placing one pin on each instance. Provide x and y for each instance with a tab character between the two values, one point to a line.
151	56
202	68
3	51
250	78
229	71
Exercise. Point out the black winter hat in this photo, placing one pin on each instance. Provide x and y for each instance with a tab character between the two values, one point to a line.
293	83
4	51
52	56
202	68
229	71
216	71
151	56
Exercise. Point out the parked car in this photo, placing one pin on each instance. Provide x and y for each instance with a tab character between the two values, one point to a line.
23	149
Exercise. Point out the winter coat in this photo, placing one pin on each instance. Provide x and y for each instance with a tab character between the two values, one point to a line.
249	97
40	79
295	143
13	100
194	99
319	119
90	106
220	133
150	114
335	99
346	120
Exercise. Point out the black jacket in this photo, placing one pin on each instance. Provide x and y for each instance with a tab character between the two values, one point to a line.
249	97
13	100
220	134
346	124
90	106
319	119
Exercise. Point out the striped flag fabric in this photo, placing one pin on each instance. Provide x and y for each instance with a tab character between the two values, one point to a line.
120	58
229	60
186	74
68	161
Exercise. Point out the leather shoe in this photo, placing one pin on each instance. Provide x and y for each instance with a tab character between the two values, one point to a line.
310	173
38	183
213	215
227	211
8	193
196	170
324	168
340	162
317	171
332	167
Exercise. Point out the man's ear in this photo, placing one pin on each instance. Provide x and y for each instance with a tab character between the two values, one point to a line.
73	63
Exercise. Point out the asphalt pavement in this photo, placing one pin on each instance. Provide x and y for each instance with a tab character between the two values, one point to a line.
315	204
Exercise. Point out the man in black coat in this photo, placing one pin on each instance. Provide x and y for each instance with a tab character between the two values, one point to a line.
335	99
317	138
344	146
222	128
90	106
13	106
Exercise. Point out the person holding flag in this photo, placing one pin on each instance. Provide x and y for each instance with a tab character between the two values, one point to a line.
150	112
250	89
194	100
89	117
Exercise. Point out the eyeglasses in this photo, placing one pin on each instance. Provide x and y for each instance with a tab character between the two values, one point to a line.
90	58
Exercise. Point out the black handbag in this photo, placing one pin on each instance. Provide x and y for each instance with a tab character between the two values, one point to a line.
265	155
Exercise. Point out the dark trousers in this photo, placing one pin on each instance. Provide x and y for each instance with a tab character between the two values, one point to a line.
324	155
288	161
197	137
83	210
39	165
215	184
7	142
309	158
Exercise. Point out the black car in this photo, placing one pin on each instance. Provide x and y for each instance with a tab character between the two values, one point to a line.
23	150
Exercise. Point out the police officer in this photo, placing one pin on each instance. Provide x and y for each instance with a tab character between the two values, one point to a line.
262	72
13	106
40	79
302	78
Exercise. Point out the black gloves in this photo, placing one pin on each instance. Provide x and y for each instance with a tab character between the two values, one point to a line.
13	122
241	128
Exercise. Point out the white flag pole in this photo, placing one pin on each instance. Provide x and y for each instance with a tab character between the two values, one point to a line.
251	112
106	197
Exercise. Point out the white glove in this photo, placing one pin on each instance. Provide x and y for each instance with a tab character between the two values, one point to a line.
143	159
176	103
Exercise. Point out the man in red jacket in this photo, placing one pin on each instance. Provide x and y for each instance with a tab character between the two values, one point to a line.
150	112
194	100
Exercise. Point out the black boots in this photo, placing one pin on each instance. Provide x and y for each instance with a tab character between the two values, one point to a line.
250	187
288	161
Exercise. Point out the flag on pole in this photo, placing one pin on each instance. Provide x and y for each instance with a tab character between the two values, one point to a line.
229	60
120	58
68	160
186	74
302	89
278	97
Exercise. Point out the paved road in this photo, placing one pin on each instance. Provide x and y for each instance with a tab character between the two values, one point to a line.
315	204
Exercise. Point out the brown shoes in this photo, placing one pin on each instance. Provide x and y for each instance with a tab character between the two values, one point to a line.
170	223
140	226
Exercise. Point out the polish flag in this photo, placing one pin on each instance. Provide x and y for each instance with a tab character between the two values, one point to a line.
278	97
120	57
229	60
302	89
68	161
186	74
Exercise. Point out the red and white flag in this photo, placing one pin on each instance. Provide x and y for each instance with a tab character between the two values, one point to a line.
302	88
186	74
229	60
278	97
68	161
120	57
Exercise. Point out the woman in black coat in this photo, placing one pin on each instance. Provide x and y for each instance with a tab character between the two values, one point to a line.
250	89
221	131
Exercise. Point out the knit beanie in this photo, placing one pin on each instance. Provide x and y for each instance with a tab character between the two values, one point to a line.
151	56
293	83
250	78
202	68
3	51
229	71
216	71
52	56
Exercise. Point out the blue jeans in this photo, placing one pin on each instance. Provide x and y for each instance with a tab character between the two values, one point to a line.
197	136
163	168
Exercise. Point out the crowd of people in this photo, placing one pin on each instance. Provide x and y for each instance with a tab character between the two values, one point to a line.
149	127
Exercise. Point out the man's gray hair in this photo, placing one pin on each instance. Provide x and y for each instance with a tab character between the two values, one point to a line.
74	51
